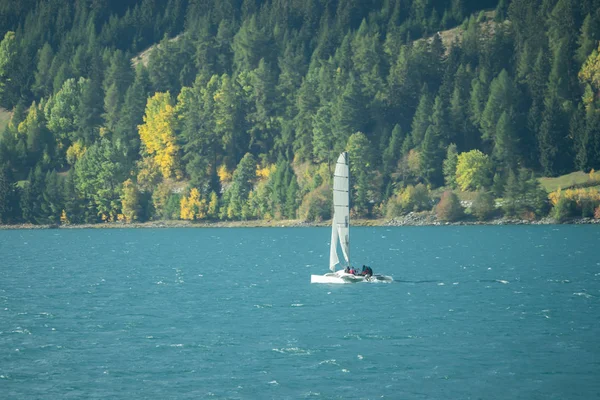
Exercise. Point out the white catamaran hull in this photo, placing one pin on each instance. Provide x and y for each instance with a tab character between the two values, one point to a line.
342	277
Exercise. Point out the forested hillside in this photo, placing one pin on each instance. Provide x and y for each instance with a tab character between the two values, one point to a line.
240	107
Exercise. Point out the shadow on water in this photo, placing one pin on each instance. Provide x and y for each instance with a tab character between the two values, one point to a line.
437	281
427	281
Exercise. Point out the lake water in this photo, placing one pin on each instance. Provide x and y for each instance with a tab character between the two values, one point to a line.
476	312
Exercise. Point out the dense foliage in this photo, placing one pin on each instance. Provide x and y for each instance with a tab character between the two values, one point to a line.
242	107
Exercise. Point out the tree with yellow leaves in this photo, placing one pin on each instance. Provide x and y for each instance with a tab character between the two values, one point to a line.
64	220
213	206
130	201
473	170
193	207
158	134
590	76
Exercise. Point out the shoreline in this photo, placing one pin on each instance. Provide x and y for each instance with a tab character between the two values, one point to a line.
411	219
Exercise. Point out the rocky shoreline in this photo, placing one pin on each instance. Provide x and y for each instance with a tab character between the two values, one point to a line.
410	219
429	219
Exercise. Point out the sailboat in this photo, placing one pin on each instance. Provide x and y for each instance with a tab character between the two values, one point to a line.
340	230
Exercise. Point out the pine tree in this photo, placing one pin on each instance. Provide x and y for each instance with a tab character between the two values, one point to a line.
43	84
8	66
431	160
502	95
421	120
586	42
511	195
348	114
554	146
479	96
392	151
6	195
449	166
307	104
241	186
89	112
132	113
506	149
53	202
292	204
322	143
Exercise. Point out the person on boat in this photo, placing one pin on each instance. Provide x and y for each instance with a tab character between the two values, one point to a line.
352	271
347	270
367	271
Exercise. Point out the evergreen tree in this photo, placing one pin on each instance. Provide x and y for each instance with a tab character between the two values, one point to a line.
587	39
449	167
7	194
511	195
241	186
131	115
554	146
392	151
43	84
359	151
421	120
9	92
431	161
89	112
323	138
348	114
292	204
53	202
501	97
479	96
307	104
506	150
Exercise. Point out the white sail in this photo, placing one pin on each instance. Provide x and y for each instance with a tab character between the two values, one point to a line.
340	227
333	257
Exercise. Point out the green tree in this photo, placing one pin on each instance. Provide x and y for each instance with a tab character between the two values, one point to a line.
99	174
131	115
323	138
586	42
62	115
449	167
228	120
241	186
483	205
8	65
39	141
43	83
359	151
7	195
393	151
473	170
131	201
89	110
432	148
53	201
511	195
506	149
554	146
291	205
500	99
421	120
31	198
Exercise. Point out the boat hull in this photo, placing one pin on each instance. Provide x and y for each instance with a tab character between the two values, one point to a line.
342	278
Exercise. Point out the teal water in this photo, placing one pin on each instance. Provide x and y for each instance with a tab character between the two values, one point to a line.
508	312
